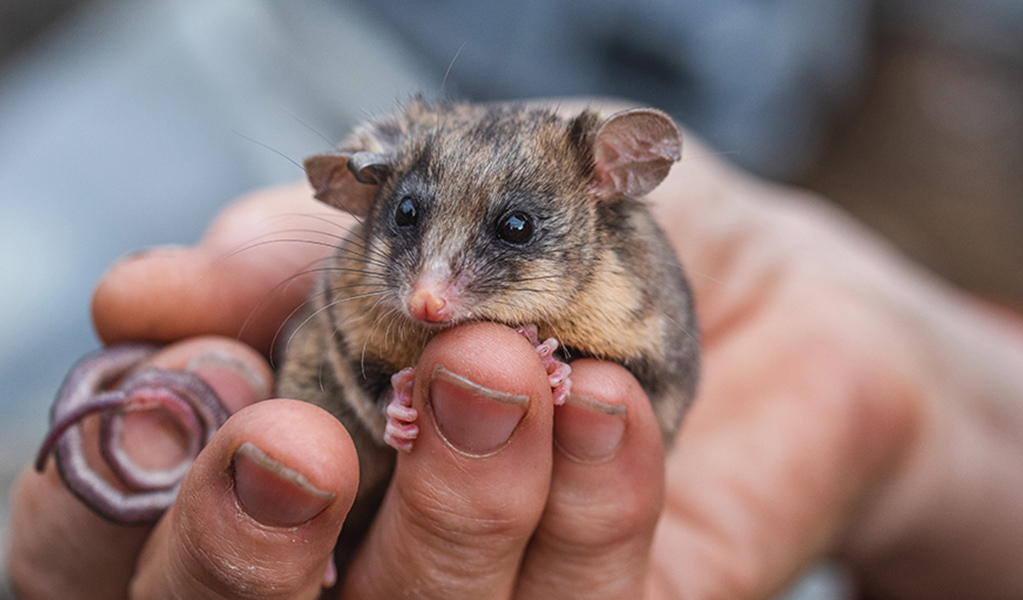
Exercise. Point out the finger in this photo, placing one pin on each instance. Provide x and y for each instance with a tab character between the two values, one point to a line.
236	373
62	549
607	490
239	281
465	501
259	512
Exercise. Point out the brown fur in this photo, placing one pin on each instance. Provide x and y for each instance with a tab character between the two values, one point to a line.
599	276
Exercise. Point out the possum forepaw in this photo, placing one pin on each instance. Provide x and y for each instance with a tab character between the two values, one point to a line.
401	429
557	371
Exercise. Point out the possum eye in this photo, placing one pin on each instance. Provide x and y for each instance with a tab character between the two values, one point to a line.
407	213
515	228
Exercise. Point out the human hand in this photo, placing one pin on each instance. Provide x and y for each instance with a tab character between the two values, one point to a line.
851	407
523	518
841	390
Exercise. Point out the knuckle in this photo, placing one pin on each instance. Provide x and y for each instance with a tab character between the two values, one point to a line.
630	515
454	517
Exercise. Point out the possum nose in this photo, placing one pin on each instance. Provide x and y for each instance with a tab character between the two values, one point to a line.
426	304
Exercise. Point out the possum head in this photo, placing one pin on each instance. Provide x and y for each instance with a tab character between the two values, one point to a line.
492	212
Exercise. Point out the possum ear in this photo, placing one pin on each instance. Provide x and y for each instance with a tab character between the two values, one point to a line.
348	181
633	151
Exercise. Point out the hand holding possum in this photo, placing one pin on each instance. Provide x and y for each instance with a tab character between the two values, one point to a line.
817	434
452	515
642	472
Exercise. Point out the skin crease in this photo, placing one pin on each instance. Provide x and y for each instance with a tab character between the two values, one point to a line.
850	407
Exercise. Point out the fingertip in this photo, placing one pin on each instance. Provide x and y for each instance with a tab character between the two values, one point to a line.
464	503
485	404
607	488
589	430
304	438
491	354
282	443
632	466
243	280
141	286
237	373
261	507
482	387
607	400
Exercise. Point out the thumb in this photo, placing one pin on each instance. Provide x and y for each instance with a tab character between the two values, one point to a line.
260	511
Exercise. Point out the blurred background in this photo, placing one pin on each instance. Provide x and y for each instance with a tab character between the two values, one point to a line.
129	123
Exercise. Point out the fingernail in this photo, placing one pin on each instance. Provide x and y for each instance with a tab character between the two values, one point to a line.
272	493
234	380
472	418
588	430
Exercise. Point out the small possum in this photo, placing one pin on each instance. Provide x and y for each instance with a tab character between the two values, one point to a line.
499	212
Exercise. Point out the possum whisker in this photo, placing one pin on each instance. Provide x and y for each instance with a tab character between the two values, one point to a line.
330	267
367	254
336	200
296	310
342	224
363	243
536	278
270	148
375	305
253	245
283	285
387	332
347	231
685	330
329	231
373	327
393	316
405	328
376	277
355	297
380	281
450	66
308	126
350	235
355	233
529	290
506	302
327	307
257	242
685	271
702	275
354	253
280	329
289	230
319	372
354	318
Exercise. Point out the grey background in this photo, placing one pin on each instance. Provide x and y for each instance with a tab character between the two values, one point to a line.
130	124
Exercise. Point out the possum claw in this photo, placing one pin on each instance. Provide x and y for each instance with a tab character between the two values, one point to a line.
401	430
557	371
